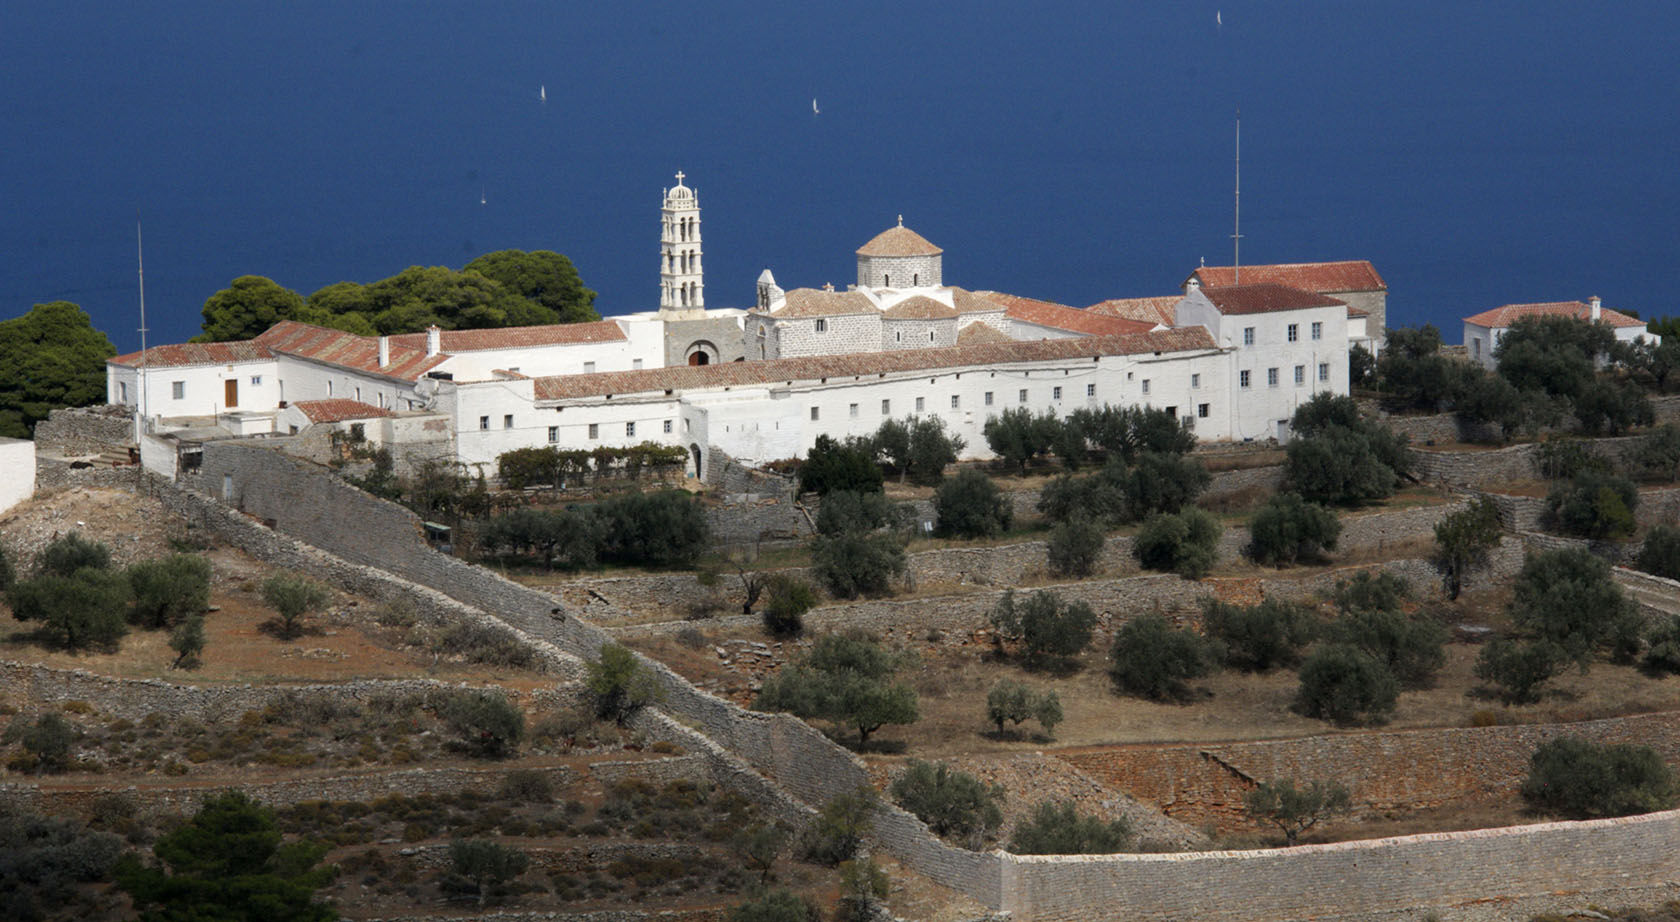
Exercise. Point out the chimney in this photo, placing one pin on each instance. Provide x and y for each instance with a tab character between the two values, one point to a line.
384	351
1193	283
1596	306
434	340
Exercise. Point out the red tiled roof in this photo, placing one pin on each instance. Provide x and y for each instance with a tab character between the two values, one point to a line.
1348	275
1263	299
899	241
919	307
976	333
559	334
338	410
814	302
809	368
1063	317
967	302
1156	310
347	350
1357	312
1501	317
196	354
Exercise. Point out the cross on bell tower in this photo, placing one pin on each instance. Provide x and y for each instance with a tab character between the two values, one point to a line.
681	285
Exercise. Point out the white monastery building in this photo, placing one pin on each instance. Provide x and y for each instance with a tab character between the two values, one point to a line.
1483	331
760	384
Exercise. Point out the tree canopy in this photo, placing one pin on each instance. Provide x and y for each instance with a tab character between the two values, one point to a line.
542	277
51	357
248	306
846	679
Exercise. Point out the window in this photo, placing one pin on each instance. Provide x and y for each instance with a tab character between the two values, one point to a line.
122	391
898	336
987	400
594	430
1248	336
588	368
1476	347
1271	377
822	325
886	408
921	402
507	421
851	410
1300	375
629	430
930	336
686	427
1318	329
1242	379
484	422
178	390
1090	390
358	392
634	363
1023	397
1294	332
1202	410
815	414
329	388
955	402
1055	393
1146	385
554	433
1323	371
1195	380
667	427
256	380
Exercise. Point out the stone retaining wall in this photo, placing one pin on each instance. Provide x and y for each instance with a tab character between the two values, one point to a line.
86	430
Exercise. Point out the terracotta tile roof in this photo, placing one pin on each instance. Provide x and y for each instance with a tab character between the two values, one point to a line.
814	302
899	241
183	354
338	410
1357	312
919	307
976	333
600	331
810	368
1263	299
1063	317
1158	310
967	302
1348	275
1501	317
347	350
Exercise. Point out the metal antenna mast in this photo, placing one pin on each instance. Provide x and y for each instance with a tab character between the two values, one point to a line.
1236	213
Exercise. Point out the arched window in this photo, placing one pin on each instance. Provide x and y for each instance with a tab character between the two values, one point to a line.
886	281
915	279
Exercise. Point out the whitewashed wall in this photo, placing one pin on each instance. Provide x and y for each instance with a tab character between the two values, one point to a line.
17	460
203	389
301	379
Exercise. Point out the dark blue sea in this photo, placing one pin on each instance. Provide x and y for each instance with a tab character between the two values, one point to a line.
1479	153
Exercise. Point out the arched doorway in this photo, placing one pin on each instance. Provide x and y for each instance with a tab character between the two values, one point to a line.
700	352
698	358
694	450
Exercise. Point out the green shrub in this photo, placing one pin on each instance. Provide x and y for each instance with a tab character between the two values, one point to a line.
776	905
1058	828
481	642
1288	529
487	722
1520	667
187	640
1594	505
1261	637
1042	625
1075	546
831	466
840	826
1413	648
854	564
1016	436
969	505
1569	598
49	863
1344	684
1186	543
78	611
1159	483
169	590
952	803
846	679
66	555
1463	540
845	511
1580	779
1660	556
1153	660
484	868
1662	652
1015	703
619	684
292	596
527	786
1337	456
1294	810
786	600
47	741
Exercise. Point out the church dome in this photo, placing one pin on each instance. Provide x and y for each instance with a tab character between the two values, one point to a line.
899	241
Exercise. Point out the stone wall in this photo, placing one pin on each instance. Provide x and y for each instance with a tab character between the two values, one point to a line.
1397	771
86	430
1481	468
1348	878
1447	427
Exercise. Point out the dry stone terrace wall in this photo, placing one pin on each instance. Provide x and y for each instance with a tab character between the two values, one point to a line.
85	430
1348	878
1400	770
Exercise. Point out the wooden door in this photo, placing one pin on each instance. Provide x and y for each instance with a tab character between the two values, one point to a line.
232	396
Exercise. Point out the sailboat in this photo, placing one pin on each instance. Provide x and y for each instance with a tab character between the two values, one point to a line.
542	92
481	198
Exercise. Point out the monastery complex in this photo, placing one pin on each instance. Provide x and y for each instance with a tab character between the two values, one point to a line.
1232	354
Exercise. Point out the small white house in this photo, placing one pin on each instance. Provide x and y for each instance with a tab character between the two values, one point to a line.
1483	332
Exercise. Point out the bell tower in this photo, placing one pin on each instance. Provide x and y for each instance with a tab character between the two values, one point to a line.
681	288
